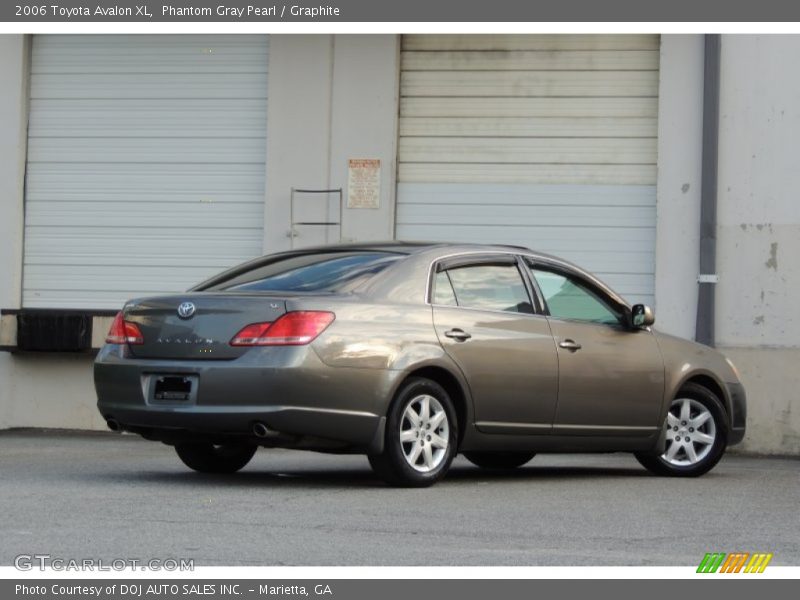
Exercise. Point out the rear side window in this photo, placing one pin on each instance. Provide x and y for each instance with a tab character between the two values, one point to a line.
490	287
443	290
328	272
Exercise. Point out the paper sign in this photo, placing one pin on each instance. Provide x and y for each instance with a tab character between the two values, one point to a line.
363	183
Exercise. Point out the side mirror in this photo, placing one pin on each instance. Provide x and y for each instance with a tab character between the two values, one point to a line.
642	316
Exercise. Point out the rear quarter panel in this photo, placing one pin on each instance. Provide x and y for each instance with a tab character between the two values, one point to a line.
396	339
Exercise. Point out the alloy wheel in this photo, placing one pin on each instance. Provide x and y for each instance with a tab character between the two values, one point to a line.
424	433
691	432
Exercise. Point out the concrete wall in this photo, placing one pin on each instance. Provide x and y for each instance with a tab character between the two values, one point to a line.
759	232
331	97
13	134
680	142
41	391
758	218
298	126
364	125
52	391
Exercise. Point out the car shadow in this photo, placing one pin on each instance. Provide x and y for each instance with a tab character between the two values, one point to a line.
364	478
541	473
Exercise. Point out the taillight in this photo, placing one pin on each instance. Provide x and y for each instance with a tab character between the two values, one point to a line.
252	335
124	332
291	329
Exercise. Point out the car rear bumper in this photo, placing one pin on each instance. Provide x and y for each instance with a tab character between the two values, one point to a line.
302	401
738	408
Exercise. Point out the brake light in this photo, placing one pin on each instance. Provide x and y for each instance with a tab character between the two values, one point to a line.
252	335
291	329
124	332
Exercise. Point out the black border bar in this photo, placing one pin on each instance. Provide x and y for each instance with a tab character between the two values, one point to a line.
438	11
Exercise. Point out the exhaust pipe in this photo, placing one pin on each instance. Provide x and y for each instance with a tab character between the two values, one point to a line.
114	425
261	430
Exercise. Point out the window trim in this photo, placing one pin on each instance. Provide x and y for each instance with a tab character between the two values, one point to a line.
481	258
457	262
613	304
449	282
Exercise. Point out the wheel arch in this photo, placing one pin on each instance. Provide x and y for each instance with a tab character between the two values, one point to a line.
452	384
709	381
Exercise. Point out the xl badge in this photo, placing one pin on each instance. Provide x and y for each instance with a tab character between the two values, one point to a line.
186	310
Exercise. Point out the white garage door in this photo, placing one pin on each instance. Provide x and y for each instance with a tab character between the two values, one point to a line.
146	161
539	140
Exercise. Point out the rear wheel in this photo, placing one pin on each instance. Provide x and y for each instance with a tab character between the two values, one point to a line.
499	460
421	436
206	457
697	435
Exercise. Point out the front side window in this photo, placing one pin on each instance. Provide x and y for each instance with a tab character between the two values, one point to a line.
324	272
570	300
490	287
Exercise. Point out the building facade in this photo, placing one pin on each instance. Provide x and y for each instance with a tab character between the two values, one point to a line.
134	165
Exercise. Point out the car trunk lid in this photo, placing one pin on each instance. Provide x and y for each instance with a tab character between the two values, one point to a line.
198	326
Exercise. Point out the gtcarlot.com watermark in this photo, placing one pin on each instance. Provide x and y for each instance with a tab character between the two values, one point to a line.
44	562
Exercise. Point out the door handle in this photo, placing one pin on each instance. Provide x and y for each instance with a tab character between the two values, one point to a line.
457	334
570	345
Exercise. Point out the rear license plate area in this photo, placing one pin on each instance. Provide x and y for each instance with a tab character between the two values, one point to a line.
174	389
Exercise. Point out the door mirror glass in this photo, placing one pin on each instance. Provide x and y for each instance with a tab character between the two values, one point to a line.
642	315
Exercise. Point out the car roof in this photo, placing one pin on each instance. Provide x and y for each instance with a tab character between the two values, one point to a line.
414	247
436	250
433	249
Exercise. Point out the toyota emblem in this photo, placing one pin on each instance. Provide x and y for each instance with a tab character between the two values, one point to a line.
186	310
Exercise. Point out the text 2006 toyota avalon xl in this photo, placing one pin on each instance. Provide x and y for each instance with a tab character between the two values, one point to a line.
410	354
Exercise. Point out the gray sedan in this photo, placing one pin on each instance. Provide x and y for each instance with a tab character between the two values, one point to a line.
410	354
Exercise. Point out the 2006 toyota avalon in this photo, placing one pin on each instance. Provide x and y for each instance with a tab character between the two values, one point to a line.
410	354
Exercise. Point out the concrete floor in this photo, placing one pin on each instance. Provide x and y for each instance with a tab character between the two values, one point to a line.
83	495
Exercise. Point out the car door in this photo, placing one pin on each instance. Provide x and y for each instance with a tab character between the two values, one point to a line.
611	376
485	320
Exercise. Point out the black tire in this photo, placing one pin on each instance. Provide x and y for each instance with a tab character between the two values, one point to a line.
658	464
499	460
392	465
206	457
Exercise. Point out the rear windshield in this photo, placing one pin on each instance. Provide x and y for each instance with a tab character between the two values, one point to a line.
330	272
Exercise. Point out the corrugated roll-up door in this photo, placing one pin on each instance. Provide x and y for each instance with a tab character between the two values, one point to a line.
146	162
548	141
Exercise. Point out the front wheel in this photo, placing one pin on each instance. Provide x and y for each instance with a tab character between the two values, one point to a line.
697	435
499	460
421	436
206	457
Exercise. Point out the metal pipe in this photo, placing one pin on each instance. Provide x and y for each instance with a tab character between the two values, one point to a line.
707	279
261	430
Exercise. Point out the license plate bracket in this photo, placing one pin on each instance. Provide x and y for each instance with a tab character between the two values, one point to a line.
172	389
